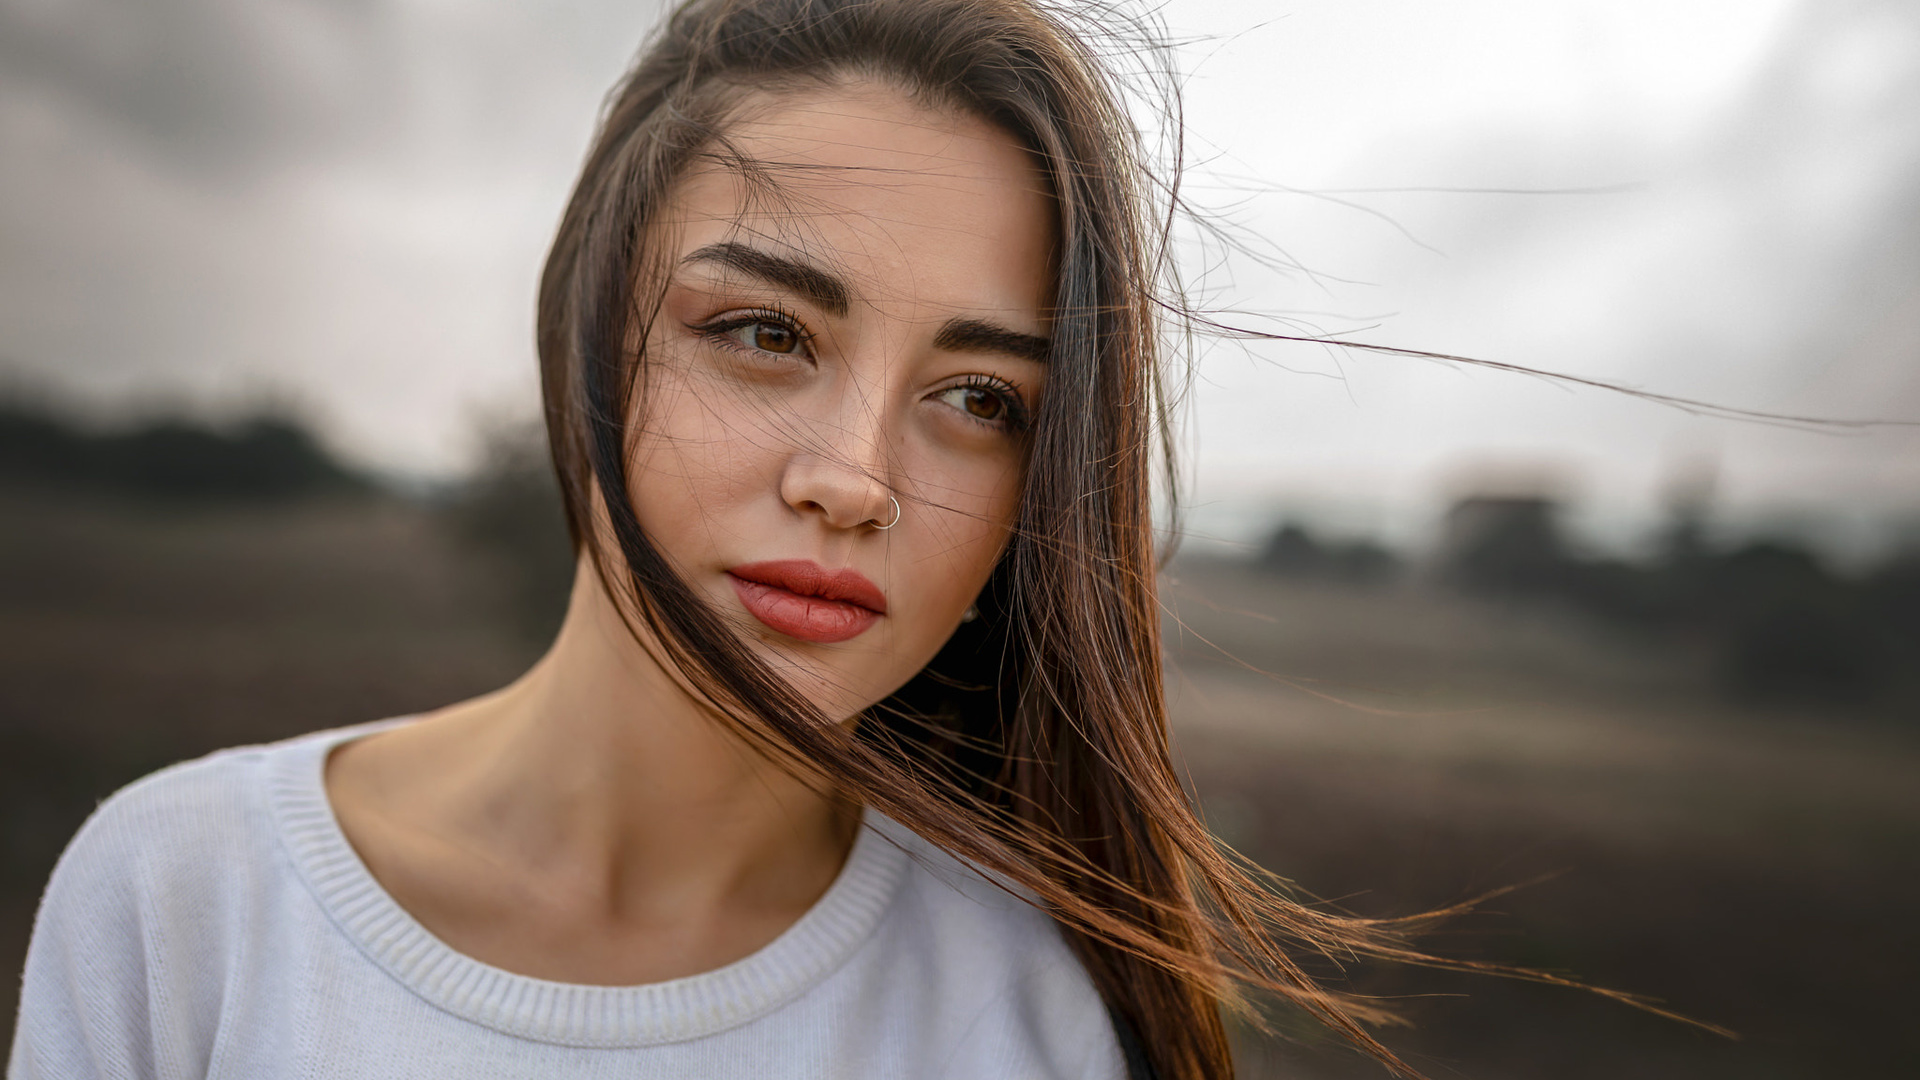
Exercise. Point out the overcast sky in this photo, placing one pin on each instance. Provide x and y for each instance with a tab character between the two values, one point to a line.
344	203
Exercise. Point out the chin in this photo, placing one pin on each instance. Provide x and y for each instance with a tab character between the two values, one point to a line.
834	693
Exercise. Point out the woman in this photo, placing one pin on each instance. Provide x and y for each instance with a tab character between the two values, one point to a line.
851	755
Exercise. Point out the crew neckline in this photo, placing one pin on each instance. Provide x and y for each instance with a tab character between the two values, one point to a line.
570	1014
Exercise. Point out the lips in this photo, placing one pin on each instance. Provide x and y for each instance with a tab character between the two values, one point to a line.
804	600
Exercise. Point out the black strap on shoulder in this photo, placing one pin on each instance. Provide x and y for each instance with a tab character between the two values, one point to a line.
1138	1067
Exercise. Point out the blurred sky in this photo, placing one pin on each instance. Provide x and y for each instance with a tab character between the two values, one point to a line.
344	204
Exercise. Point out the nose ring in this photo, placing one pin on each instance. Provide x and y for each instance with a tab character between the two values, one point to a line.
896	515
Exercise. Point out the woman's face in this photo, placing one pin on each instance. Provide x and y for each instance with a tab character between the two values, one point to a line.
853	335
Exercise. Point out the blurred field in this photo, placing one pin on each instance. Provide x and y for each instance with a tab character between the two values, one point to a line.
1758	871
1755	870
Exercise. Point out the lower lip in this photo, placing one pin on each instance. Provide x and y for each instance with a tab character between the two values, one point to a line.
809	618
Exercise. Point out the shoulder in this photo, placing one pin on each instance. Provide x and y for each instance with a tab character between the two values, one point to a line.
185	827
176	854
158	849
1000	958
181	813
141	915
171	828
966	901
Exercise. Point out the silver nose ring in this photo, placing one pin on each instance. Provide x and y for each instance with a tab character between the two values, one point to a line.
896	515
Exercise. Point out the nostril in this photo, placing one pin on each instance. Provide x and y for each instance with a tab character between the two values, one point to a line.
843	497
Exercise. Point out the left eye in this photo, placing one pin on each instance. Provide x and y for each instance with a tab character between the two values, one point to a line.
767	337
983	403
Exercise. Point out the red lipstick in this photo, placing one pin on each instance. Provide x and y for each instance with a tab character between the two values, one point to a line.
802	599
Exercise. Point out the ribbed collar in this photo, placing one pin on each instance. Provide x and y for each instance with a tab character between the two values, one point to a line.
569	1014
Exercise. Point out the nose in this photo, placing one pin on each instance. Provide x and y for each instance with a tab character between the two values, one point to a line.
843	480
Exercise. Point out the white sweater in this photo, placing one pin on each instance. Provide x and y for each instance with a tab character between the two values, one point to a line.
212	921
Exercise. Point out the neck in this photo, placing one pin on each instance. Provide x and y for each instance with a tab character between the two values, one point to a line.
599	772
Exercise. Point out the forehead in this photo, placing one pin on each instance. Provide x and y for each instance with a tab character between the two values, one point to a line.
913	203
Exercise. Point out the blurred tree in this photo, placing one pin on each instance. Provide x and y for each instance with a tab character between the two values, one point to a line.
1506	545
1796	631
1892	599
172	460
1294	552
1787	629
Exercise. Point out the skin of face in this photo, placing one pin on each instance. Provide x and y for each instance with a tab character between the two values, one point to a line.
861	323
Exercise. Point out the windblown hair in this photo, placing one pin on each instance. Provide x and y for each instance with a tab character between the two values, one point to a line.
1035	744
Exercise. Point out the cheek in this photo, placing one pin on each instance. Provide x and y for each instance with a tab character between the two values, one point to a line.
965	517
694	460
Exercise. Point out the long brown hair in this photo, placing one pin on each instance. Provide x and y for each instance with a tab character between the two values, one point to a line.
1036	743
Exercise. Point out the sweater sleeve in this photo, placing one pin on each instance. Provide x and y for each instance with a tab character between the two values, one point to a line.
83	998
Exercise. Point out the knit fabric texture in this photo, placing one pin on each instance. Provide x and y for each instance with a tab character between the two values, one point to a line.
211	920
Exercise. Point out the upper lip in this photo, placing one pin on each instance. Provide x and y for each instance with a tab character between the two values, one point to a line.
808	578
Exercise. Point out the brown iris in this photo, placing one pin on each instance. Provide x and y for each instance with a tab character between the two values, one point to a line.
774	338
984	404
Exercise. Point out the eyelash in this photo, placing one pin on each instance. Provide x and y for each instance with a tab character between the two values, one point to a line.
1017	415
720	331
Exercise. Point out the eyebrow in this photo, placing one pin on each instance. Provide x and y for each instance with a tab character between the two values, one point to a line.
827	291
830	293
975	335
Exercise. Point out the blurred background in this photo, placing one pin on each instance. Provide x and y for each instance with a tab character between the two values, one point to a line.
267	462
